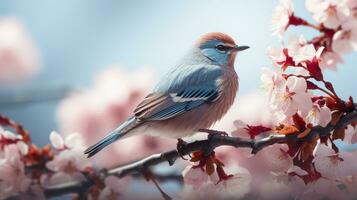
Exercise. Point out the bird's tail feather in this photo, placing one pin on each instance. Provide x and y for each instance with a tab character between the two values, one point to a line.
117	134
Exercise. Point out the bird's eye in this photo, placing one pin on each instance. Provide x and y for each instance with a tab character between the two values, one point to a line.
221	47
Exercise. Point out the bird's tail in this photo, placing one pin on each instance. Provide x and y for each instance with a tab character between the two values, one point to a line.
115	135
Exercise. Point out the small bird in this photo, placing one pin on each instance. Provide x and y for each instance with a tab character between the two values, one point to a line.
192	96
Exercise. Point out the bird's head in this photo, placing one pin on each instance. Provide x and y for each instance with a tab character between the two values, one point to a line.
219	48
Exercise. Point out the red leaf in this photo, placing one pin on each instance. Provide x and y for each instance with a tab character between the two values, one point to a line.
222	175
253	131
329	86
299	122
296	21
314	69
311	85
288	61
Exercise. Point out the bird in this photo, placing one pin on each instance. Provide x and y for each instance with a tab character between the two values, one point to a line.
193	95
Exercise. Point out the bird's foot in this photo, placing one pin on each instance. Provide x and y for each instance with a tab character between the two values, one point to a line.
212	132
181	146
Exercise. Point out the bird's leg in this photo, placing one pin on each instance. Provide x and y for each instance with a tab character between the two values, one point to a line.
212	132
181	145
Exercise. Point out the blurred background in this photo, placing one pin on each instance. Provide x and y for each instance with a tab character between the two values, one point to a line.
82	66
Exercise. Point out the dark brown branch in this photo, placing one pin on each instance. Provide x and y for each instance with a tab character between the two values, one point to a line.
211	143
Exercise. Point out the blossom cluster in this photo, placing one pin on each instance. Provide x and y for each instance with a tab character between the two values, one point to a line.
300	101
26	170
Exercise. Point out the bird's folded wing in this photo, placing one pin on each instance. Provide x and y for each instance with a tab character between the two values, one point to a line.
164	106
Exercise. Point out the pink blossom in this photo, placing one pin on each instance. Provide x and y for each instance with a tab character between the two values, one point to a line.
331	13
12	173
271	80
281	16
195	177
241	129
319	115
70	161
334	165
351	135
276	54
345	40
277	159
295	43
71	141
292	97
67	166
352	4
114	187
8	137
307	53
236	187
19	57
329	60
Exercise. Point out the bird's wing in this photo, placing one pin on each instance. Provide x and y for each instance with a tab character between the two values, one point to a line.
158	106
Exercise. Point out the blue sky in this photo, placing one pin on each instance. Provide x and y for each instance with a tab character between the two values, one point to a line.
78	39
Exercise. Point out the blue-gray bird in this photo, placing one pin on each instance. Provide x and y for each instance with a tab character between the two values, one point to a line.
192	96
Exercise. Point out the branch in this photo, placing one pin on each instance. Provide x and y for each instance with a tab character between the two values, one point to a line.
141	166
23	96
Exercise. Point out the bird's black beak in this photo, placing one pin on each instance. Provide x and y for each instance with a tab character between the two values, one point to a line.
240	48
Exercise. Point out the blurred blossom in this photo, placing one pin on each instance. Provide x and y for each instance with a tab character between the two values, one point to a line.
281	16
194	176
19	57
199	185
330	59
96	111
331	13
114	186
351	135
345	40
334	165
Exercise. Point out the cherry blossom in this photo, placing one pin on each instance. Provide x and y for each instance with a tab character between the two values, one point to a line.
277	158
331	13
330	59
8	137
194	176
292	97
202	186
334	165
281	16
276	54
345	40
12	173
307	53
352	4
73	140
271	80
113	189
19	57
351	135
319	115
70	161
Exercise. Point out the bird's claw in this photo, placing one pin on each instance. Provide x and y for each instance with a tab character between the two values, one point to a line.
181	145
